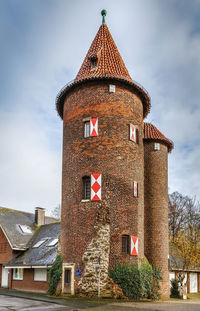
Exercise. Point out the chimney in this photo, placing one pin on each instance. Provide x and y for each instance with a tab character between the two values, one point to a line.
39	216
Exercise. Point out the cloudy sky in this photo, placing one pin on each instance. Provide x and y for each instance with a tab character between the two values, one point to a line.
43	43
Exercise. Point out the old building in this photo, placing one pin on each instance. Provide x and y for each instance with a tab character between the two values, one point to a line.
114	180
28	247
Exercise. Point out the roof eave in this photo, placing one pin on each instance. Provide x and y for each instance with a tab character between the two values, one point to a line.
169	144
133	85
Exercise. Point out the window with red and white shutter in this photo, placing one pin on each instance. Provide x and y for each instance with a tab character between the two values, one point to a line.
94	127
134	245
96	187
133	133
135	189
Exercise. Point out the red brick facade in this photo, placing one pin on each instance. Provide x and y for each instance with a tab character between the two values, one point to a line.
117	158
156	209
6	252
28	282
111	154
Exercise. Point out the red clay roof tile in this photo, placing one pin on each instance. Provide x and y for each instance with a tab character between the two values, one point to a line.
109	60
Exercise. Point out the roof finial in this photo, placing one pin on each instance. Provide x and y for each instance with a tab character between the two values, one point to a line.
103	13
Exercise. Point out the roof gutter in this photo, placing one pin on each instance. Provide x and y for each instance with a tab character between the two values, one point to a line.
28	267
17	267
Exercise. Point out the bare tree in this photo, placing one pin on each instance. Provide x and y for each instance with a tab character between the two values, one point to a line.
184	230
56	212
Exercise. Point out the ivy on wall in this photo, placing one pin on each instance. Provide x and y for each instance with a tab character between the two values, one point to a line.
55	273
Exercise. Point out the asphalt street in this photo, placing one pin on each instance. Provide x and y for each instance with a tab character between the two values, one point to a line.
10	303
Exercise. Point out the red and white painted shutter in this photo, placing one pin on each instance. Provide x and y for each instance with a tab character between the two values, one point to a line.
135	189
134	245
95	187
133	133
94	127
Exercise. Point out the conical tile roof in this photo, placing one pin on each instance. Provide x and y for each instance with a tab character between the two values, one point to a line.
103	58
152	133
103	62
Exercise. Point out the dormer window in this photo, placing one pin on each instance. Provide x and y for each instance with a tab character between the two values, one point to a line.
94	61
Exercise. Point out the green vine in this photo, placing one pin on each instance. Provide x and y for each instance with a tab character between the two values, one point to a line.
55	273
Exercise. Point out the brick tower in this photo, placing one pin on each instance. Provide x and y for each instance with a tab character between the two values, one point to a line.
156	148
103	167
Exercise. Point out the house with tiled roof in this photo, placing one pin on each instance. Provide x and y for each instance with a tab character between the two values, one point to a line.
28	247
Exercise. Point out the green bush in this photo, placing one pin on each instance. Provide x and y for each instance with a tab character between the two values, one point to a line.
156	278
137	282
174	291
55	273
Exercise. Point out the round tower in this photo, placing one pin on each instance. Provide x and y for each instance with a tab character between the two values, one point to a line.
156	239
103	167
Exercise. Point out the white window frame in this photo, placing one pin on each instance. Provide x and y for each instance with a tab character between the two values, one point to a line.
40	274
18	274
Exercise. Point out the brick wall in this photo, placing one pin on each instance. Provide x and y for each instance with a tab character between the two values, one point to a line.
113	155
5	249
28	282
156	209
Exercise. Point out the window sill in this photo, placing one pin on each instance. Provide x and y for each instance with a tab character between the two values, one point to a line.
85	200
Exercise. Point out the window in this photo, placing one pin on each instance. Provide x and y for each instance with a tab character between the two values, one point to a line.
25	229
87	129
156	146
39	243
111	88
53	242
94	63
86	187
40	274
18	274
135	189
133	133
91	127
125	244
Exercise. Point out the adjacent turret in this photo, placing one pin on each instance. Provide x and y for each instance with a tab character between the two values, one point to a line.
156	148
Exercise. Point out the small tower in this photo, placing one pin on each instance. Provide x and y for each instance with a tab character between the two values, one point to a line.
156	236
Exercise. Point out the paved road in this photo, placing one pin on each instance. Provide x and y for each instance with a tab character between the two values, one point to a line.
8	303
148	306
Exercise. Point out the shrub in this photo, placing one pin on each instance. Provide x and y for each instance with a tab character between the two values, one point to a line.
55	273
156	278
174	291
137	282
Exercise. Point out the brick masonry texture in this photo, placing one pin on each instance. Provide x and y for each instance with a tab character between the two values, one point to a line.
29	283
5	252
156	209
5	249
112	154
